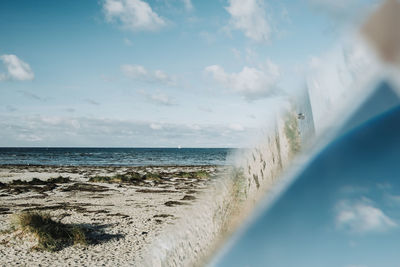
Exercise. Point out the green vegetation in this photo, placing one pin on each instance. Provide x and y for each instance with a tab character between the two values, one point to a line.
292	133
137	178
51	235
151	176
36	181
196	174
35	185
59	180
129	177
201	175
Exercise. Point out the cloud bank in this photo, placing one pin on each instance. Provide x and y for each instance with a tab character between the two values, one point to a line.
36	130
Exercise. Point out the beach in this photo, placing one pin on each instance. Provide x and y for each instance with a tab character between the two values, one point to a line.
125	209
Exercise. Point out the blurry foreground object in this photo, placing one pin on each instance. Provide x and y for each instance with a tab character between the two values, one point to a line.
342	206
382	30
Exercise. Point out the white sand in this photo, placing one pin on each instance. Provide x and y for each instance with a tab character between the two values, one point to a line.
129	220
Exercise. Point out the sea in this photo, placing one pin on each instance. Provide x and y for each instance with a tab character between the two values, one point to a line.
113	156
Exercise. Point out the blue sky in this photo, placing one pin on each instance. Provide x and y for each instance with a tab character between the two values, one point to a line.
155	73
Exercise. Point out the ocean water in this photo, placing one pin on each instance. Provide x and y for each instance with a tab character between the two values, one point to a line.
114	156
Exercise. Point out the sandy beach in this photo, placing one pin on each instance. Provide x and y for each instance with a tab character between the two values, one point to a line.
124	217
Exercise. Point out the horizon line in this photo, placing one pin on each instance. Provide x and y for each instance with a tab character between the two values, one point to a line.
174	147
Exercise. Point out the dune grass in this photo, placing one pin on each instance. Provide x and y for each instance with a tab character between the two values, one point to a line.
51	235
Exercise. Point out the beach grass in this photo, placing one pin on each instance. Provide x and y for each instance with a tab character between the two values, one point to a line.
36	181
151	176
51	235
135	177
200	174
130	177
195	174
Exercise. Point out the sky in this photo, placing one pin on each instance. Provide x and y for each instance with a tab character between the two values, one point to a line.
160	73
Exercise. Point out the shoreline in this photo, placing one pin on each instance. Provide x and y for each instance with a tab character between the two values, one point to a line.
111	165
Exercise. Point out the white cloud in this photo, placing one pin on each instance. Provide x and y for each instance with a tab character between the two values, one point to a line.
16	69
236	127
29	137
249	16
162	76
252	83
194	127
134	71
158	98
161	98
138	72
135	15
361	217
156	126
188	5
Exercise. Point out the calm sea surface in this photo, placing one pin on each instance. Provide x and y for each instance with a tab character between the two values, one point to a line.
114	156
